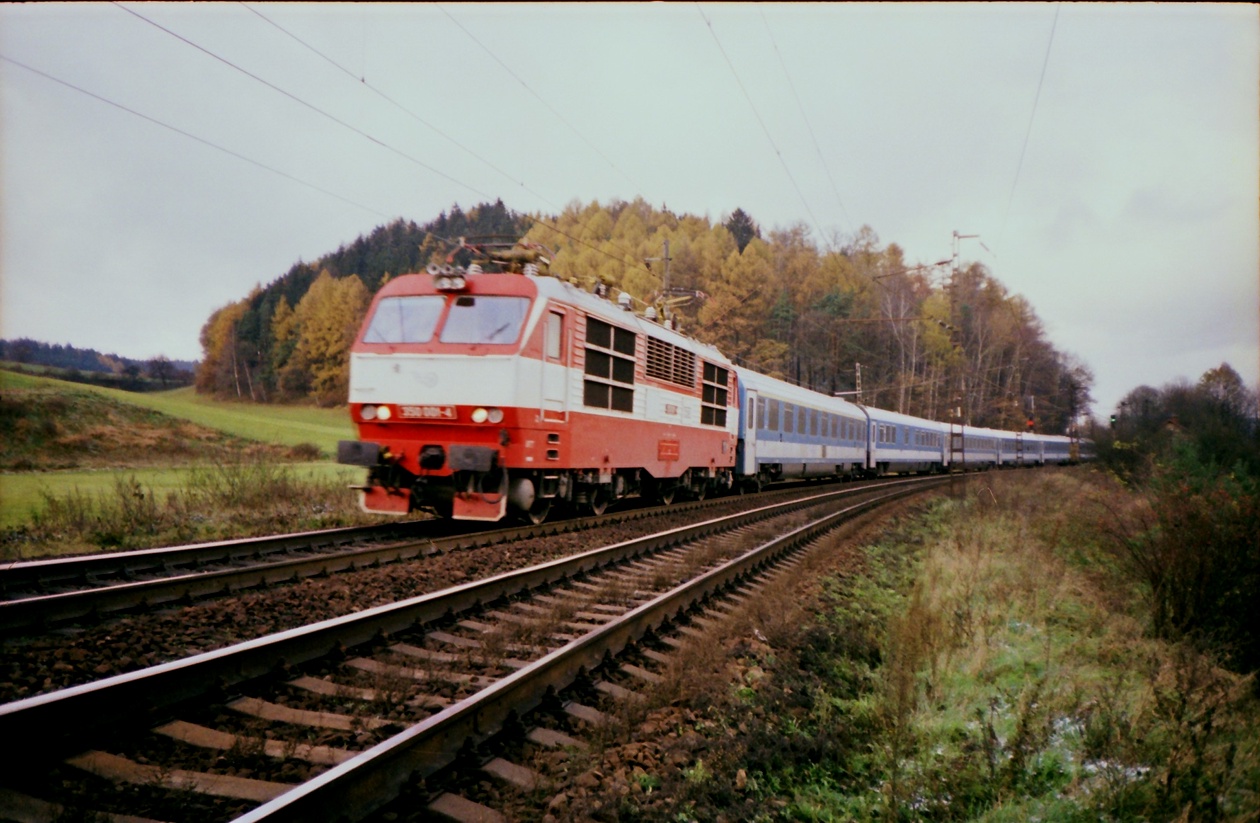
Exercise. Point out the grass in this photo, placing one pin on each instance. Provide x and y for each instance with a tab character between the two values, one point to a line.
25	493
210	502
13	380
1011	687
80	460
984	660
284	425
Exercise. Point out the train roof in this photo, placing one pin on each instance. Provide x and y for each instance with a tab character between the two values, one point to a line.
796	394
905	419
564	292
1049	437
560	291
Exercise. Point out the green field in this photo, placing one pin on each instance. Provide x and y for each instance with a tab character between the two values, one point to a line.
286	425
22	492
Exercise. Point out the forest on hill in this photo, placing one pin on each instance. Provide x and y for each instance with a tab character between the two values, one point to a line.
929	343
90	366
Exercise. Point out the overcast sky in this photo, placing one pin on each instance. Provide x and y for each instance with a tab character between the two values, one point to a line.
1106	155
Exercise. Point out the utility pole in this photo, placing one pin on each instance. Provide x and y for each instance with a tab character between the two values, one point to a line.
1074	434
667	259
965	412
666	316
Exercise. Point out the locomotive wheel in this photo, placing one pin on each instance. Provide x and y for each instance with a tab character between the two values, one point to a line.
538	512
701	491
666	495
599	501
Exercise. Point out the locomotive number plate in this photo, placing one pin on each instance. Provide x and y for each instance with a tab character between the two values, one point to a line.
427	412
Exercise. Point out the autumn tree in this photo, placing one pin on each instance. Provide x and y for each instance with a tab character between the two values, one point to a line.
219	373
1224	391
742	228
739	300
774	302
249	346
323	325
161	369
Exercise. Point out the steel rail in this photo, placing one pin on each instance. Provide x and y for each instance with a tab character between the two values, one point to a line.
50	724
52	609
28	575
373	778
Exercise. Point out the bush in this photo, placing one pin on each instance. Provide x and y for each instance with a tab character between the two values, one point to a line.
220	500
1192	538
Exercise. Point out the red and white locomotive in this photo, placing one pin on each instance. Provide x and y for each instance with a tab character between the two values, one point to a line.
480	393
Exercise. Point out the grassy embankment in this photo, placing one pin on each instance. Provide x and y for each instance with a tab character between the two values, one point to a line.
992	658
87	468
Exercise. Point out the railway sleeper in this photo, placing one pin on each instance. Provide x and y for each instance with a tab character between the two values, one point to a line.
579	599
615	691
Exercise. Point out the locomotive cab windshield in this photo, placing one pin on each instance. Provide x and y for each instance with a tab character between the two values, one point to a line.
462	318
484	319
405	319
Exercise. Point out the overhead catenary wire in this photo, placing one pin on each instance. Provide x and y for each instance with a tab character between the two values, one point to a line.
191	136
400	153
187	41
765	129
302	102
541	99
805	118
362	81
1031	117
259	164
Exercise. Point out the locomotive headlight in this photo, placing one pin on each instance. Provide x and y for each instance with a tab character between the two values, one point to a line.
383	413
449	282
367	412
481	415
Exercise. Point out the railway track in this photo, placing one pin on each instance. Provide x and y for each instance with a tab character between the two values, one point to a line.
36	595
514	774
334	719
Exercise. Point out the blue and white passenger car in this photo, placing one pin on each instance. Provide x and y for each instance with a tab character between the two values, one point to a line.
788	432
981	449
1058	449
901	443
1017	449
